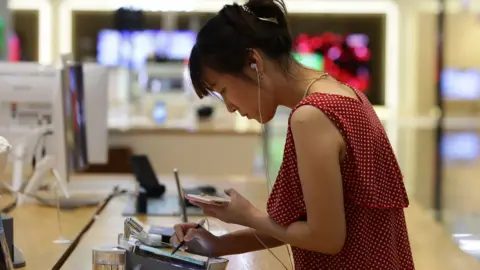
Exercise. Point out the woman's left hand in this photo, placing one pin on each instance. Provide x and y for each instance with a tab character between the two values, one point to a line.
238	211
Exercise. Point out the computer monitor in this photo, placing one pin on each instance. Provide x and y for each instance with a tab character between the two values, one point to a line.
96	87
56	159
33	83
69	132
23	83
71	129
26	82
70	136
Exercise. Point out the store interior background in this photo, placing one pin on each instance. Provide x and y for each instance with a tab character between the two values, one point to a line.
404	40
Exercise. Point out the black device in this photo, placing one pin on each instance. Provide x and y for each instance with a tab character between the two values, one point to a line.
151	199
5	257
205	112
7	247
141	203
146	177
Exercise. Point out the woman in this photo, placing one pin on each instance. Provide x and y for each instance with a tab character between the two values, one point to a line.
339	197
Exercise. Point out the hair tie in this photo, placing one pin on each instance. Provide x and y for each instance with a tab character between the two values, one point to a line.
248	10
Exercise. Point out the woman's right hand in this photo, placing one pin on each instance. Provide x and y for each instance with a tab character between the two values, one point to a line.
197	241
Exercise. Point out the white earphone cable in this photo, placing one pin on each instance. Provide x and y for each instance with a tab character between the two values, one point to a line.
267	172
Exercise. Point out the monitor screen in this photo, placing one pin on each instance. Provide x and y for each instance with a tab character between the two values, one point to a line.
133	48
345	57
180	44
108	47
460	84
461	146
75	126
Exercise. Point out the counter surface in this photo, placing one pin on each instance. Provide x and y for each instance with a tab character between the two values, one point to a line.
36	227
432	247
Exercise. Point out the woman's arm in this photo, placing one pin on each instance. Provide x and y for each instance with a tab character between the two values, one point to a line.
318	145
244	241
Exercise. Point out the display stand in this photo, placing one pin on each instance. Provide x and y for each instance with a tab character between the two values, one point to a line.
21	149
46	165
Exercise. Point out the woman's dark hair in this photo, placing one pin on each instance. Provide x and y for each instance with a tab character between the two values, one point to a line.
224	42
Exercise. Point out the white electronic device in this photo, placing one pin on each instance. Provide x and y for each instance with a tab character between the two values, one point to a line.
67	95
55	160
70	136
32	83
25	81
207	199
96	84
69	132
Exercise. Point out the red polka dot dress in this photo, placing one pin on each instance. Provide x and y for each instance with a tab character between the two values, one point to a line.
374	192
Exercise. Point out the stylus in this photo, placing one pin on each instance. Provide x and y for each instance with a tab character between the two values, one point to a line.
199	225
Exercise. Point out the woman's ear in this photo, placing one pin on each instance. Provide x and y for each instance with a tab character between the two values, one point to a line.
255	59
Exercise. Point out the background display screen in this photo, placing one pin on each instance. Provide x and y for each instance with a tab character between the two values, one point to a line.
460	84
132	49
345	57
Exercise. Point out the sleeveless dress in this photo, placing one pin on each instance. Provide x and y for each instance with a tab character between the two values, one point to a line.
373	188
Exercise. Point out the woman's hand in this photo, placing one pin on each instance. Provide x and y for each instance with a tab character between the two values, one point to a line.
239	211
197	241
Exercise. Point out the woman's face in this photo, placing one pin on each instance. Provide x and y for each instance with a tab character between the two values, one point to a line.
242	95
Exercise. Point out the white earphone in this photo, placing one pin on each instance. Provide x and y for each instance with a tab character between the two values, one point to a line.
265	152
265	159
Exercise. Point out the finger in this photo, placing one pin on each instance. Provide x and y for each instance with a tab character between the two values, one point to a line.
195	203
230	192
208	206
174	240
180	230
201	205
192	234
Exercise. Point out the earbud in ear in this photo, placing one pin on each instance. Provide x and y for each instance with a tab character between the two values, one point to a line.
254	66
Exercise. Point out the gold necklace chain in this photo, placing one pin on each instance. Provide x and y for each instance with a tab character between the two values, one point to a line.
325	75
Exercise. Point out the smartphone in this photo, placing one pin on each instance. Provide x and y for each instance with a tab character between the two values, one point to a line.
207	199
5	258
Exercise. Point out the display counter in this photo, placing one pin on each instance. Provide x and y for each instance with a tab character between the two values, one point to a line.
36	227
